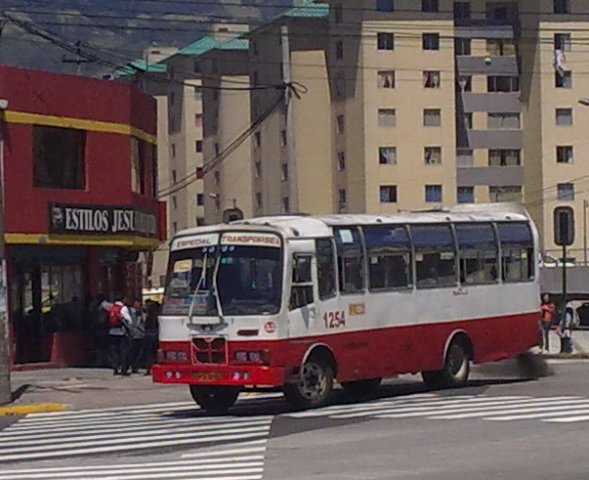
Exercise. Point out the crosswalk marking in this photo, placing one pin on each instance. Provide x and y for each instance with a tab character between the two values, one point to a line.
552	409
85	432
228	463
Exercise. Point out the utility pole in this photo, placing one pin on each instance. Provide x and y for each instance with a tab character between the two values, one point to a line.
78	61
5	390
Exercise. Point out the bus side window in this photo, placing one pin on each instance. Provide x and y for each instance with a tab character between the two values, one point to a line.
350	260
389	257
517	252
435	256
477	253
301	293
325	268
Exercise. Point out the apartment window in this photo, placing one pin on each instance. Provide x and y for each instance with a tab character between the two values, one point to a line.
173	150
340	85
462	46
502	84
174	176
285	205
385	41
563	79
258	169
388	194
258	200
174	202
564	154
341	198
387	117
387	155
430	41
257	139
500	47
198	146
339	49
430	6
432	155
284	172
386	79
564	116
467	119
197	93
504	158
461	10
198	120
503	121
562	6
283	138
58	157
217	178
340	124
465	194
175	227
505	194
562	41
200	199
200	221
338	13
565	192
385	5
138	180
431	79
464	83
464	157
341	161
432	117
433	193
217	149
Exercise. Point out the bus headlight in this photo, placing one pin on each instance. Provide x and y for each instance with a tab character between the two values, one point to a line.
255	357
241	356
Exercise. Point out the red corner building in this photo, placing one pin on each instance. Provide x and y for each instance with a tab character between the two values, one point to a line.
80	211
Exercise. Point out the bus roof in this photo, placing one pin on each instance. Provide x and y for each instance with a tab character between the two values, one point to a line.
305	226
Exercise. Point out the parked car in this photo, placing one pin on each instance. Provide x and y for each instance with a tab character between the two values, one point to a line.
548	261
583	312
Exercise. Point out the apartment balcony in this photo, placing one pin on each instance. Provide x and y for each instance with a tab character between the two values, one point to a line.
491	65
495	176
491	139
495	102
484	24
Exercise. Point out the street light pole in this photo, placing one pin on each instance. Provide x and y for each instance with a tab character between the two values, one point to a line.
5	390
585	232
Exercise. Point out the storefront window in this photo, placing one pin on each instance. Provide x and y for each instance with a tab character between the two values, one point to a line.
62	297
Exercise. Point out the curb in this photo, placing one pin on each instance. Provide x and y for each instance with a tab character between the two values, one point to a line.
567	356
36	408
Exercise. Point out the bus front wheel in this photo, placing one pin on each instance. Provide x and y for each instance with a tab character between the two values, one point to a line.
455	371
215	400
314	387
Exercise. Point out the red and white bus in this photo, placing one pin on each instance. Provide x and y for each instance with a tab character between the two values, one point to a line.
295	302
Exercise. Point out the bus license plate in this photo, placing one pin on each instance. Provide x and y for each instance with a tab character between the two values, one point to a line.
207	376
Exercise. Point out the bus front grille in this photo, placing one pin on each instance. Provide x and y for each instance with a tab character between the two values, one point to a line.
212	350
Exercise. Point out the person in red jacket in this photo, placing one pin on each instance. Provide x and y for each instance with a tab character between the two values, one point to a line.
548	308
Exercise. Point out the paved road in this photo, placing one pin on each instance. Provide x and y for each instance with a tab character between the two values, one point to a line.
497	428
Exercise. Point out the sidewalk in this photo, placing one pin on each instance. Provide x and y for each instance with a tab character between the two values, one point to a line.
580	345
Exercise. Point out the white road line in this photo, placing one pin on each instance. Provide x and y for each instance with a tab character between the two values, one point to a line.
580	418
16	433
117	441
130	435
121	409
32	455
236	451
434	406
529	416
506	410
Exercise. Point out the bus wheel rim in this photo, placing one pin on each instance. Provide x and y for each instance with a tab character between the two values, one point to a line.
313	381
456	360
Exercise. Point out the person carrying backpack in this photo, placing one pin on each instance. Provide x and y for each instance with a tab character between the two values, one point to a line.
120	322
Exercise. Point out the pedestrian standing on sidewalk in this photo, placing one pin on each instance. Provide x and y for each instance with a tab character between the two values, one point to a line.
137	335
120	323
565	329
546	320
151	334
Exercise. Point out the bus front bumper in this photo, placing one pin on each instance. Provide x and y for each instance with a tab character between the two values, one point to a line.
254	375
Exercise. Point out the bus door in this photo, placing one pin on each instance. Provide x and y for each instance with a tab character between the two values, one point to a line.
302	305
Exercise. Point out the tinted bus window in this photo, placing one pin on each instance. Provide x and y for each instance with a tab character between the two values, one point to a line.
350	260
325	267
435	256
477	253
517	251
389	257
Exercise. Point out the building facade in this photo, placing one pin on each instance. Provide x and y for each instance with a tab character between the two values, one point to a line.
81	208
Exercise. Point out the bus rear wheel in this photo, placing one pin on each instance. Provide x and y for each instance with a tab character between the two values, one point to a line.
362	387
215	400
314	387
456	369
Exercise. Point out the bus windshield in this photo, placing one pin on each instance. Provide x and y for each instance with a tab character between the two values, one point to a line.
235	279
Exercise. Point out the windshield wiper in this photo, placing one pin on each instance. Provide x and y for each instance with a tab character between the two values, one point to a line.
202	280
